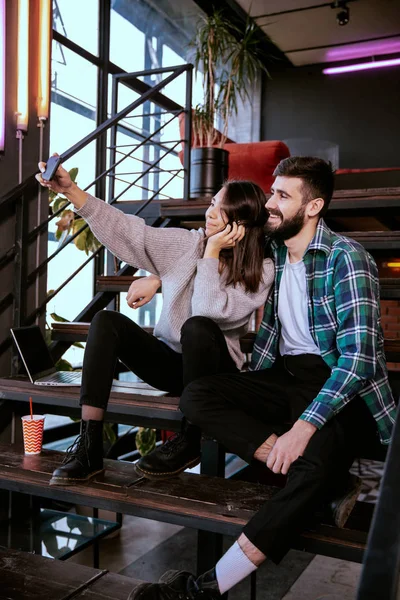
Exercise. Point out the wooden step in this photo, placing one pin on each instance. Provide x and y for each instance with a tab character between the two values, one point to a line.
390	286
140	406
343	200
198	501
27	575
376	240
77	332
116	283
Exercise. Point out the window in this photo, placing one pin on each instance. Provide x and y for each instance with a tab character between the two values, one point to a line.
78	21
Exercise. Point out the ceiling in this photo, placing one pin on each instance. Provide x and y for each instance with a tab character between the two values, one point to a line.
314	36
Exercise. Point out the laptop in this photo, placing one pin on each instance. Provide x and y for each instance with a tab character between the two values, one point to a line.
41	369
37	359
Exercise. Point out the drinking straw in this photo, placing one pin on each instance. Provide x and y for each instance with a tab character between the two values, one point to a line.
30	406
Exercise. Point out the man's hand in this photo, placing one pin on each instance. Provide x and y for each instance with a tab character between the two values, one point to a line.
290	446
142	291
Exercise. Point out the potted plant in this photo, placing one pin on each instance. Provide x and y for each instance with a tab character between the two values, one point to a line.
230	60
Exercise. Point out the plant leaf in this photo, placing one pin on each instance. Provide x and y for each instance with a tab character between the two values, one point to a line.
145	440
58	318
58	203
63	365
52	195
73	173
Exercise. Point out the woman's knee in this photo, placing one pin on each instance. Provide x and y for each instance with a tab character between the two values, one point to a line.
197	328
105	319
193	399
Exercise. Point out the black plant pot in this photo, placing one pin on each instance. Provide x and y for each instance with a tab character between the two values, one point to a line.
209	170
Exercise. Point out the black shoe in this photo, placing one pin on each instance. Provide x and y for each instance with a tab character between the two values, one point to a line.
84	459
178	453
344	503
179	585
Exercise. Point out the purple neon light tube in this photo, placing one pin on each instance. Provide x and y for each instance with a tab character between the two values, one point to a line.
2	72
378	64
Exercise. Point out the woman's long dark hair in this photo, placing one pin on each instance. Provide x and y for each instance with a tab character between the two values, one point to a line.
244	202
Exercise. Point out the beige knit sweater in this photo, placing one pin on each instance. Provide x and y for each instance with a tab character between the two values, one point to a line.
191	285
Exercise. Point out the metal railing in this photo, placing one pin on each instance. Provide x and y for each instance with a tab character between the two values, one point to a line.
380	576
114	155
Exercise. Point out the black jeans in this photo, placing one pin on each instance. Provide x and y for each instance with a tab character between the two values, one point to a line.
114	336
241	411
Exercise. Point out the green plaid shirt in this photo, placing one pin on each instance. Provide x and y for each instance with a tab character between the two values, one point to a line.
344	320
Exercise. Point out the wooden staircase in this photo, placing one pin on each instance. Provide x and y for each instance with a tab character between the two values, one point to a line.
365	208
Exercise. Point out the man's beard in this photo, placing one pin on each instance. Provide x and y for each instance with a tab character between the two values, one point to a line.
288	228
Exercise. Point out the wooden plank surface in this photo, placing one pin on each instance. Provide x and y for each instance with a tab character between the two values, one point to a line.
198	501
116	283
390	290
375	198
125	397
25	576
213	503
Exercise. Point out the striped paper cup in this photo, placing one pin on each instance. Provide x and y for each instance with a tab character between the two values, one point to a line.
32	429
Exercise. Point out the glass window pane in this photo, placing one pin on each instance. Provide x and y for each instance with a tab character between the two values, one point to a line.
126	43
73	77
73	115
78	21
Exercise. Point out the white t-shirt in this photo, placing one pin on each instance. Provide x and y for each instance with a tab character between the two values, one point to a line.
292	311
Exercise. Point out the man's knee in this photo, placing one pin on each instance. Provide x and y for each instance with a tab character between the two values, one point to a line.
198	328
310	470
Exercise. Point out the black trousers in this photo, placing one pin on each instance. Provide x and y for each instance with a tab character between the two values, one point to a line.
114	336
241	411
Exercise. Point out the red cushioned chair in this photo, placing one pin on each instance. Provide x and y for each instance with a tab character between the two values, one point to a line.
254	160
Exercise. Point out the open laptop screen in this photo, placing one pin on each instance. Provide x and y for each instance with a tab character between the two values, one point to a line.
33	350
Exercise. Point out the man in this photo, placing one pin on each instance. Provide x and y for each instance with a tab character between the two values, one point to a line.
318	385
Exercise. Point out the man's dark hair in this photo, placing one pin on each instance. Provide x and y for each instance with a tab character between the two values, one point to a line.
317	175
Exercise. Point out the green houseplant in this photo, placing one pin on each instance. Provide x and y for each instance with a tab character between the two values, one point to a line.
230	60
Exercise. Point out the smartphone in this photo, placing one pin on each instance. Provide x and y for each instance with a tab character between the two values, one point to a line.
51	167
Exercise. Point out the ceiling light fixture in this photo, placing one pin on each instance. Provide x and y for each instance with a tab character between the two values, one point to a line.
343	16
376	64
2	73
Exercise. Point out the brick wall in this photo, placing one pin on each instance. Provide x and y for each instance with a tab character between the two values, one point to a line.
390	312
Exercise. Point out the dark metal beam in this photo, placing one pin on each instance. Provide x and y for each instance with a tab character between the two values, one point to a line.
380	576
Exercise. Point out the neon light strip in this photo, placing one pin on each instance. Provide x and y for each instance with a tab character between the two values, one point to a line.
2	74
378	64
44	60
23	65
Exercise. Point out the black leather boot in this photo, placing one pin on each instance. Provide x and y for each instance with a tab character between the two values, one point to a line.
84	459
345	500
181	451
179	585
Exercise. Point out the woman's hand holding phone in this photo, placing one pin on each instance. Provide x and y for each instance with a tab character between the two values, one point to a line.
61	183
227	238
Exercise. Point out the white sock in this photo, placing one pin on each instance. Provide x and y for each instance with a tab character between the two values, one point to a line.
232	568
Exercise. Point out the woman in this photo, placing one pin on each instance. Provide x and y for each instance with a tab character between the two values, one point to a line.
213	280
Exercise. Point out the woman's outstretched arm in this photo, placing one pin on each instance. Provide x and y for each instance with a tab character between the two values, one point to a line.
128	237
